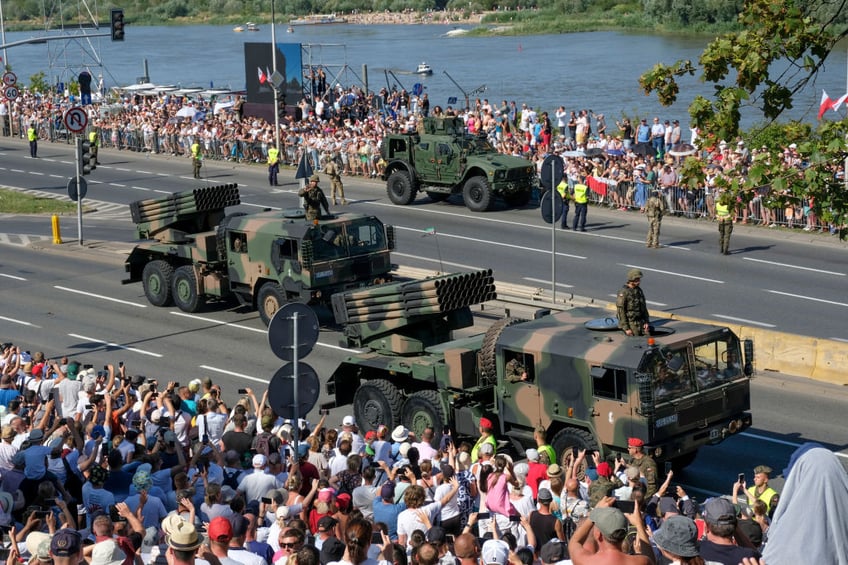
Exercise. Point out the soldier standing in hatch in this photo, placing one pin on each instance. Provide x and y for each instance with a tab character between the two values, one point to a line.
655	208
336	185
632	308
314	199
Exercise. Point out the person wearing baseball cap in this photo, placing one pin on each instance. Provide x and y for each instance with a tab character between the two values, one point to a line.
66	547
607	526
724	542
647	466
487	429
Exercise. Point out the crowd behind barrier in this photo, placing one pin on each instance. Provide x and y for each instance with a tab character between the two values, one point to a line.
107	466
621	168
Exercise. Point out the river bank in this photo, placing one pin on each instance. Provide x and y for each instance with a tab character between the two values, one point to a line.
457	17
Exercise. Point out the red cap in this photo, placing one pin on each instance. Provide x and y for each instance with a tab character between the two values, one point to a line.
635	442
370	435
604	469
486	423
343	501
220	529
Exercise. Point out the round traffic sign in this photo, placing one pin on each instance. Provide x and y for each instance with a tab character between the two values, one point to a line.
11	92
72	188
281	331
281	390
551	209
550	175
9	78
75	119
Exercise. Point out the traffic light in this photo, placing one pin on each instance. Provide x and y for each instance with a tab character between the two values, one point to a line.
87	160
117	24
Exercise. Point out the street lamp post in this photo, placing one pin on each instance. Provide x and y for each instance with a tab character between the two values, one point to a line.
274	65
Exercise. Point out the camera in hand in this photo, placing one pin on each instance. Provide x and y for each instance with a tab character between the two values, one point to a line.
265	500
741	477
242	391
626	506
377	538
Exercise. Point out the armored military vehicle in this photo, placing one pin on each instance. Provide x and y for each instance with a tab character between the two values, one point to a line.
686	386
196	252
442	159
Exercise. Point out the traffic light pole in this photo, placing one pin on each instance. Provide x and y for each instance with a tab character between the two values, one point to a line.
79	184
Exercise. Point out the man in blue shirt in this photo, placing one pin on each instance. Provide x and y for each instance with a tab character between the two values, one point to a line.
385	509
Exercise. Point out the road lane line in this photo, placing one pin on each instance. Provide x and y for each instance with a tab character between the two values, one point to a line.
141	188
784	442
118	185
790	266
92	295
704	279
21	322
12	277
490	243
234	374
744	321
450	264
822	300
163	191
260	206
117	345
651	302
36	173
541	281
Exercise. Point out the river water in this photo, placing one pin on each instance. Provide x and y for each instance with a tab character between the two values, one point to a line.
596	70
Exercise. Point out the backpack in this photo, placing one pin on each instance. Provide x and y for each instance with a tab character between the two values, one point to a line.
231	479
262	443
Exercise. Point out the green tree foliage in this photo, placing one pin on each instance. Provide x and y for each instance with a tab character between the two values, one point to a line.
742	67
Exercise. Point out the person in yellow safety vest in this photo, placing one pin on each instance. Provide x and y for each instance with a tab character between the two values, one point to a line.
565	193
94	140
273	165
32	136
581	204
725	224
486	437
761	489
196	157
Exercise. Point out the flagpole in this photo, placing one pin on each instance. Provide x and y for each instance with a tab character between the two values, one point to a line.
274	64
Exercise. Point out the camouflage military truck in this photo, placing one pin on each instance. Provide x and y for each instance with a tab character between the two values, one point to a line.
196	252
442	160
686	386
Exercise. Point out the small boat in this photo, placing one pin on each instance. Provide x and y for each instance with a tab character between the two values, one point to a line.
317	19
290	29
424	69
252	26
238	29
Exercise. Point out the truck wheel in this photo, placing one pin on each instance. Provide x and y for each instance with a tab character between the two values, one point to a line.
566	440
488	358
270	299
377	402
400	188
477	194
518	199
438	196
184	290
423	409
156	279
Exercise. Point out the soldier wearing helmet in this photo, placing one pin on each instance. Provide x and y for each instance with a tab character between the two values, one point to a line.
314	199
630	303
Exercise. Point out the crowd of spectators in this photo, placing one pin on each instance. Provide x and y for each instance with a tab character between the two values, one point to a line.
104	466
621	166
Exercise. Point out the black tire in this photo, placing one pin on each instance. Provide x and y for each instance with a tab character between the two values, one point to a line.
156	279
438	196
401	188
565	440
477	194
518	199
377	402
488	351
683	461
184	290
422	410
271	298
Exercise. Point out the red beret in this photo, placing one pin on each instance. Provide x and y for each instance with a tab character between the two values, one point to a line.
371	434
635	442
486	423
604	469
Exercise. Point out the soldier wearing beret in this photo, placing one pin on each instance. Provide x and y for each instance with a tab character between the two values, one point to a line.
314	199
647	466
632	308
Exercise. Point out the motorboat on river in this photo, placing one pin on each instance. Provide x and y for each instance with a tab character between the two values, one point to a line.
424	69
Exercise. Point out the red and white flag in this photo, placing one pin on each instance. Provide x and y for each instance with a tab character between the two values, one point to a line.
267	74
836	104
263	77
826	104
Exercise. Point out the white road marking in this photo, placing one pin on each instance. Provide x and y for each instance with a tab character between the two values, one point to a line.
36	173
118	185
234	374
651	302
790	266
123	169
672	273
542	281
842	339
12	277
260	206
784	442
118	345
744	321
20	322
491	243
449	263
822	300
163	191
141	188
92	295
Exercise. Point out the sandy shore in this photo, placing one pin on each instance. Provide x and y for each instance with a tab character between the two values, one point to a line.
409	18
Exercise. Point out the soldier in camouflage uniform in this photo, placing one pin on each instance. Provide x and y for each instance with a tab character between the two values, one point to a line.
647	466
630	303
655	209
336	185
605	482
314	199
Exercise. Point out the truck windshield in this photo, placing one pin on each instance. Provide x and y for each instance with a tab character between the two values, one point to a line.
676	372
357	237
476	144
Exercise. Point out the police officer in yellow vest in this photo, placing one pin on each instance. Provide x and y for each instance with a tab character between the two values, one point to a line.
581	204
565	194
196	157
725	223
32	136
94	140
273	165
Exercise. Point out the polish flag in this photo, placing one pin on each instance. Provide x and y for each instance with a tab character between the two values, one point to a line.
835	106
263	77
826	104
267	74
